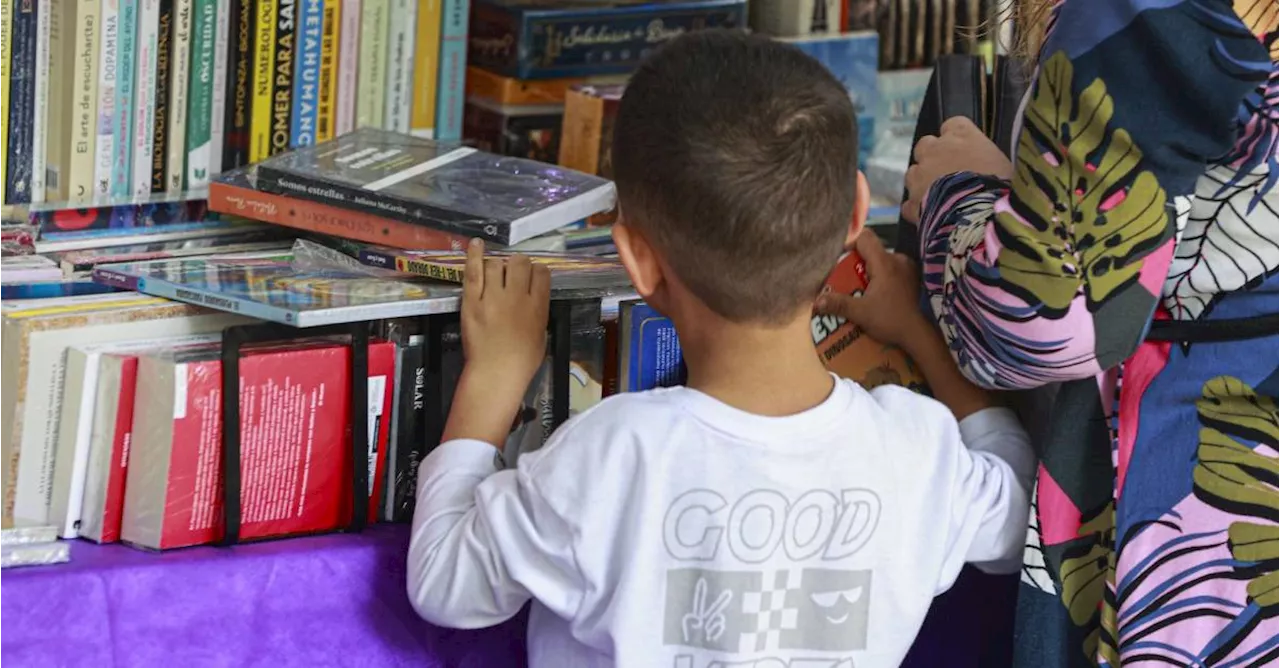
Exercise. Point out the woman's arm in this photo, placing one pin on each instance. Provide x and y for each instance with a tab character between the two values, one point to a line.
1054	274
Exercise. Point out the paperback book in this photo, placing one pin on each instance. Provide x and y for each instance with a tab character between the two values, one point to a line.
649	354
460	190
80	261
568	271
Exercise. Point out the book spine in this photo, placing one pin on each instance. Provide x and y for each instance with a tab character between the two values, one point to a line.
348	66
6	50
108	68
180	68
452	94
215	300
20	103
372	85
39	124
412	443
144	99
327	86
400	39
118	466
160	101
84	128
313	217
199	149
122	112
306	73
264	53
218	97
240	78
282	86
426	69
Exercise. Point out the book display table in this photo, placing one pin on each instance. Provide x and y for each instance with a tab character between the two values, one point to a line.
333	600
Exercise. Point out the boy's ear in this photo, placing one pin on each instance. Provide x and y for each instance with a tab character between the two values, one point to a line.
638	256
861	207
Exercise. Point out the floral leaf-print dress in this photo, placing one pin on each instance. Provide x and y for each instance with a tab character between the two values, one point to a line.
1131	265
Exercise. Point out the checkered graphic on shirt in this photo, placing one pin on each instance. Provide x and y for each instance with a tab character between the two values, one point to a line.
771	611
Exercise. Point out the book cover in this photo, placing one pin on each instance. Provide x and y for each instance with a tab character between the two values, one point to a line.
180	70
264	56
327	85
164	80
853	58
68	241
371	88
295	459
849	353
649	350
348	66
426	69
199	147
458	190
112	219
532	39
218	107
108	75
451	81
568	271
122	117
20	103
40	122
306	78
241	60
282	88
146	79
102	506
268	287
401	33
233	193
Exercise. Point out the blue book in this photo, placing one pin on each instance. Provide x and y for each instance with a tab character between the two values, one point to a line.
20	103
306	78
451	91
649	351
48	289
122	120
854	59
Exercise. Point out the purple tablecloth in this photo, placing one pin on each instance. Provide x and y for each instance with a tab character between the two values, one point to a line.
335	600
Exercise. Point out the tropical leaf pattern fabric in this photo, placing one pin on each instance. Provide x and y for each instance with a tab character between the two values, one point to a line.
1144	190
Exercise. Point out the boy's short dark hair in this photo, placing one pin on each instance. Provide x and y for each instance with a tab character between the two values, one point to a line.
737	156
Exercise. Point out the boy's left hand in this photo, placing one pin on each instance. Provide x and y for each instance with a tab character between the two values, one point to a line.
959	147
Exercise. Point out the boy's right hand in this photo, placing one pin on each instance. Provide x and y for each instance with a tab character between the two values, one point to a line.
889	309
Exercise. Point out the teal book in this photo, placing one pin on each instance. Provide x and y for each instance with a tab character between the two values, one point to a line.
200	93
122	120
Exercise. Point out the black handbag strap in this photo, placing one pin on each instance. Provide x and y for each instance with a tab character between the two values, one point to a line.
1214	331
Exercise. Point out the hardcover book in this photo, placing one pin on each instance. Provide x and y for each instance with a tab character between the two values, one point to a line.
267	286
568	271
649	353
458	190
537	39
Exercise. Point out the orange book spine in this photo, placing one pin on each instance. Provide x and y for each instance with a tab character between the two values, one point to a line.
850	353
345	223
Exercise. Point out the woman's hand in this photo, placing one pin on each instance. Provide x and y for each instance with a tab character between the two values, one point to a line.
959	147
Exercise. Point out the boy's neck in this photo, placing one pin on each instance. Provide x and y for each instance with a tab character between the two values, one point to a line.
771	371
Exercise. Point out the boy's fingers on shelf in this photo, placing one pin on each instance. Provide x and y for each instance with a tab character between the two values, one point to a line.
494	275
473	273
518	270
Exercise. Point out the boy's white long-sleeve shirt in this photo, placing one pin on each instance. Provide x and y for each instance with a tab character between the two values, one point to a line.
668	529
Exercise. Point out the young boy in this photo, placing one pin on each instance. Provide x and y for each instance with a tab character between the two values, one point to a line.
767	514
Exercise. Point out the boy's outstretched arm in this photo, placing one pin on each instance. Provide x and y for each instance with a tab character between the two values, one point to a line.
485	541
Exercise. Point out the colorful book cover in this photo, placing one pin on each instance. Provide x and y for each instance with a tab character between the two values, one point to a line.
451	82
218	98
282	90
20	103
204	26
849	353
854	59
122	114
426	69
40	124
327	86
108	75
649	349
180	68
160	101
372	83
144	110
264	55
459	190
50	289
400	55
268	287
568	271
241	60
348	66
306	76
90	219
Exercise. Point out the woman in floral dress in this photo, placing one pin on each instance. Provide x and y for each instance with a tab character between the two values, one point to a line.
1126	258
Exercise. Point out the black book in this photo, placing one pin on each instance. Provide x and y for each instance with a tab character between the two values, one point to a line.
411	444
160	128
455	189
21	103
235	152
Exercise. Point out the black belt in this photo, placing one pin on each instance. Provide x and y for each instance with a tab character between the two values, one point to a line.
1214	331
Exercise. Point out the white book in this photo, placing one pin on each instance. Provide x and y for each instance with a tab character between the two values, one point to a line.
348	67
71	461
108	56
400	56
144	99
39	146
218	123
180	72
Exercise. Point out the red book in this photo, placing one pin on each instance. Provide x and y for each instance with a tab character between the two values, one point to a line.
295	433
109	449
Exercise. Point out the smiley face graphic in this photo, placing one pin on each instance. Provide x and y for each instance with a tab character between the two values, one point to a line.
832	611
